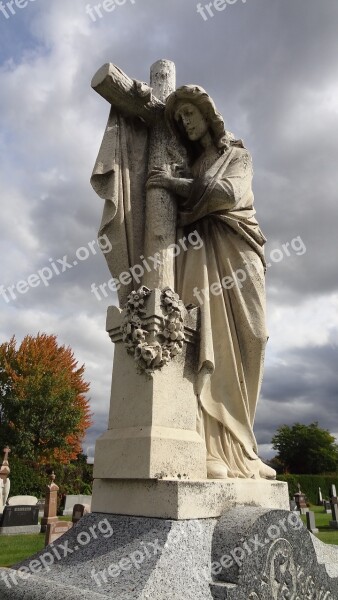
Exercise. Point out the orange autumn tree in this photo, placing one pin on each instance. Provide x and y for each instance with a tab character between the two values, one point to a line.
44	413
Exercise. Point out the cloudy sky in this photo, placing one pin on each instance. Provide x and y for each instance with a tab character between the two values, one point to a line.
271	67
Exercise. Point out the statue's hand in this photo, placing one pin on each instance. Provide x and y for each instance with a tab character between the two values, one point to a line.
160	178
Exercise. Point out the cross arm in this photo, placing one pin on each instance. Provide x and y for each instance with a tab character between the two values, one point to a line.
129	96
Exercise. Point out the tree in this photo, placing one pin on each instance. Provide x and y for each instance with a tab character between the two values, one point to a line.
306	449
44	413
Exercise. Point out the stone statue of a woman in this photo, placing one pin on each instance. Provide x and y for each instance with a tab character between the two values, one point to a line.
215	198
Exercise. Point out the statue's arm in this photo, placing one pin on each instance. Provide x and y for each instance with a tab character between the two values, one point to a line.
179	185
227	190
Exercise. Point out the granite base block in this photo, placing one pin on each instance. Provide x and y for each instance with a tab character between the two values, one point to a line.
20	530
248	553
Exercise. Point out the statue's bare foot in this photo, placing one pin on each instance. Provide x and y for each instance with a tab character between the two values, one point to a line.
266	472
216	470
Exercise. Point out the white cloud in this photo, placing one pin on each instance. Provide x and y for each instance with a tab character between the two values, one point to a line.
51	129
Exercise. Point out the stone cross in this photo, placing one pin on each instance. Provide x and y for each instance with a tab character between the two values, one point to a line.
136	99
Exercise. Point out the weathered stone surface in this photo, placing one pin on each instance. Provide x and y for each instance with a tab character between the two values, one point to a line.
248	554
287	563
197	162
152	430
173	499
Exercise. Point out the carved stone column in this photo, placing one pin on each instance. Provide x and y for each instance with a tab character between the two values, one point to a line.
152	423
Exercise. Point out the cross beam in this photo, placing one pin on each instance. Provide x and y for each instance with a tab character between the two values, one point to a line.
133	98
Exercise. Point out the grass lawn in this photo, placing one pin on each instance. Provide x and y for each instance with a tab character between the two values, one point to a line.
325	534
15	548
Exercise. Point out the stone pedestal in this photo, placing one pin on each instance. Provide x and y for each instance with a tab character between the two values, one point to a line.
186	499
151	462
152	423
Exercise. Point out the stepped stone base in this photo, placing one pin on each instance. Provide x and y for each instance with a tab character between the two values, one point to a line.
175	499
248	553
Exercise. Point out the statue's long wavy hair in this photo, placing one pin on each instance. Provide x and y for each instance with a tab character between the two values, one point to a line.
197	96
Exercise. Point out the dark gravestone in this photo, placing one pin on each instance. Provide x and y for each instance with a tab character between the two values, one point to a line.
334	522
20	519
79	511
327	507
310	522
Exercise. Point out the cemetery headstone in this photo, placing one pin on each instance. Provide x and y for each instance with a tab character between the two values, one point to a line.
22	501
79	511
55	530
310	522
293	505
300	500
19	520
334	522
333	491
327	507
319	497
50	504
71	500
41	506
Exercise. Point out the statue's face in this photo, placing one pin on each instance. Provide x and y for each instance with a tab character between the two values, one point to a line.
194	122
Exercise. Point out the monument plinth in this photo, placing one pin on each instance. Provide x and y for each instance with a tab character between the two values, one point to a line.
152	422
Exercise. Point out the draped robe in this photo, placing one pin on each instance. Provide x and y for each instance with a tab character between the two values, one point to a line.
119	177
233	331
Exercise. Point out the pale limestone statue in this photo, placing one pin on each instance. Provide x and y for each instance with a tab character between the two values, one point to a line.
216	200
5	484
211	187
